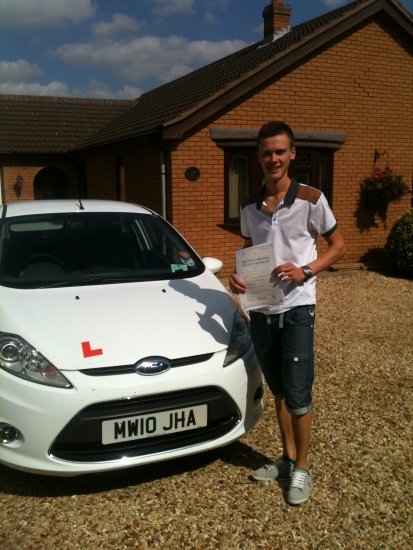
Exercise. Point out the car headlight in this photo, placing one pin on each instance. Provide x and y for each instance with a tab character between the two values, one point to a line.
240	339
21	359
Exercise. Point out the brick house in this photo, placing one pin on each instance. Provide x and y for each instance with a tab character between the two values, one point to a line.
343	81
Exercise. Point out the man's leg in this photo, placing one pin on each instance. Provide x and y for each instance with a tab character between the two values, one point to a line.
286	429
302	430
295	434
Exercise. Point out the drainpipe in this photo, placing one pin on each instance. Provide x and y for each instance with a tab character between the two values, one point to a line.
2	198
163	184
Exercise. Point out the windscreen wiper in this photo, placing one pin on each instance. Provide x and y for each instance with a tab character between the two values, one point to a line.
75	282
96	281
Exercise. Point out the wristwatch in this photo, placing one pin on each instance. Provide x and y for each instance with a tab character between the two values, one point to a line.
307	272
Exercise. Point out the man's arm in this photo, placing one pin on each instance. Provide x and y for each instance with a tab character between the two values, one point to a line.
335	251
235	283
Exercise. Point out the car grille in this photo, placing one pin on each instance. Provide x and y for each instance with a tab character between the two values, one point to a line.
81	439
128	369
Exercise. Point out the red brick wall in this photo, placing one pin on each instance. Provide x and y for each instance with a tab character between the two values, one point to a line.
143	177
198	207
101	177
142	173
362	86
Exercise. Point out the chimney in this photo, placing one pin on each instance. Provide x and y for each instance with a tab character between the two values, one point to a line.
276	20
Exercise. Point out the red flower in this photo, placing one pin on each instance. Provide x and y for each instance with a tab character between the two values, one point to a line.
384	185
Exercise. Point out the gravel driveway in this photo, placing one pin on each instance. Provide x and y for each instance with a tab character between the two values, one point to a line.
360	458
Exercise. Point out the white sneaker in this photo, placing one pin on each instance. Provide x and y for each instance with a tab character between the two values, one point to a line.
279	468
300	487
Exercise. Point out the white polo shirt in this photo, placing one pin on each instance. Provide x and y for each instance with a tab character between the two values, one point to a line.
293	228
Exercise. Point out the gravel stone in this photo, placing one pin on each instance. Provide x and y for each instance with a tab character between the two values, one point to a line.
360	458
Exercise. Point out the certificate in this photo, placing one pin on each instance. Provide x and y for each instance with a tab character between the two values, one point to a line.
254	267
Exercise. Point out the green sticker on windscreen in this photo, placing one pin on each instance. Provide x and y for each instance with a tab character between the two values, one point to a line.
179	267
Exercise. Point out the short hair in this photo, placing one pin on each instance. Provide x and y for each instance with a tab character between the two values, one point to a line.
275	128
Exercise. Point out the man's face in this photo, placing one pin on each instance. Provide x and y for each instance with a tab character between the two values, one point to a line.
275	155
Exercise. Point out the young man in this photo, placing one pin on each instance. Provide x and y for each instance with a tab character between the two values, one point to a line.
291	216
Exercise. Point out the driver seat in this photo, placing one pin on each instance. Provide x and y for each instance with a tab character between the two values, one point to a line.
42	270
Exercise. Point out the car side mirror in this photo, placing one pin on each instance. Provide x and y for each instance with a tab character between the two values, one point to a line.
213	264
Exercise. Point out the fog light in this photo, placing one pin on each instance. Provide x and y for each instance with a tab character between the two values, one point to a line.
8	433
259	393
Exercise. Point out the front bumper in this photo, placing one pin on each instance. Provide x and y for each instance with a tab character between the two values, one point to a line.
54	423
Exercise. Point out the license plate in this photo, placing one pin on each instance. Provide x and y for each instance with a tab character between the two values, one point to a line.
154	424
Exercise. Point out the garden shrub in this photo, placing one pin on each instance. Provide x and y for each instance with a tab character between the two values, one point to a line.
399	246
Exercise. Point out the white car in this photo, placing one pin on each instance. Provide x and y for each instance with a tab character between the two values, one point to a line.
118	346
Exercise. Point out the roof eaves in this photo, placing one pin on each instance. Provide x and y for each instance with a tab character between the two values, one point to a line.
117	121
130	138
127	137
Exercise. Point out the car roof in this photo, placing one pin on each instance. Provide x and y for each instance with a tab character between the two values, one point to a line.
28	208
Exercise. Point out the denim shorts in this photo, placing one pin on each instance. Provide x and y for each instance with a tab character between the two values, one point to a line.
284	344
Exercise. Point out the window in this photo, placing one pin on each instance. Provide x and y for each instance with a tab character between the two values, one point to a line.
238	183
243	176
72	249
315	168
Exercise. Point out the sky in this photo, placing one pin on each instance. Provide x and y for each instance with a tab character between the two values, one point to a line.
118	49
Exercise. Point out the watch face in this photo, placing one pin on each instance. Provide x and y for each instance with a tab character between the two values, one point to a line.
307	272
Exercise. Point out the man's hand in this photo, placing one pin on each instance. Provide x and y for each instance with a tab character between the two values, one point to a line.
236	285
289	272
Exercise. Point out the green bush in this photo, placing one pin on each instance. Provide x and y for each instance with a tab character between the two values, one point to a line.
399	245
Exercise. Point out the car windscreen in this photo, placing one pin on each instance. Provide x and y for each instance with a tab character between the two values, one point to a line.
92	248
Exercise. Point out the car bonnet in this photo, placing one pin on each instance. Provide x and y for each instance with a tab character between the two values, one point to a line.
119	324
